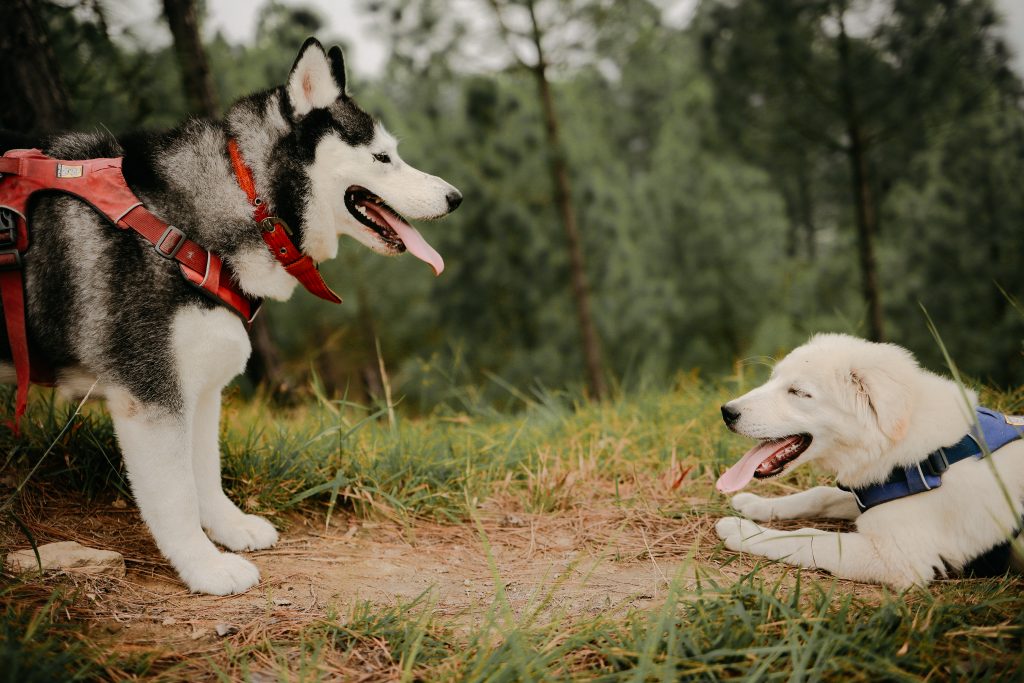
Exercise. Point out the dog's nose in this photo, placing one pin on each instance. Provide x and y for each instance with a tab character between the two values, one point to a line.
454	199
730	415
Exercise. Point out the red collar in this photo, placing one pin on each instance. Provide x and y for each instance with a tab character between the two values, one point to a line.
276	233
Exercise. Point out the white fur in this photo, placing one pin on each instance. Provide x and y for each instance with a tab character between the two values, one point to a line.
173	460
311	83
261	275
338	165
869	408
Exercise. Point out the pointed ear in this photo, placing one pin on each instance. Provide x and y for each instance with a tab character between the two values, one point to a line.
311	83
888	399
337	60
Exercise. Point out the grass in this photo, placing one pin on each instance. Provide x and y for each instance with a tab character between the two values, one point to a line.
654	453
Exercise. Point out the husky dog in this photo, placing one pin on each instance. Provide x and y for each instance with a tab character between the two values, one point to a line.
868	413
105	311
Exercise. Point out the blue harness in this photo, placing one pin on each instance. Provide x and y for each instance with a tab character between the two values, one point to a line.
997	430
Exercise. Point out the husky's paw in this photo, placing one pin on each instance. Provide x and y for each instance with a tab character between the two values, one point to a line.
243	532
737	533
753	506
222	574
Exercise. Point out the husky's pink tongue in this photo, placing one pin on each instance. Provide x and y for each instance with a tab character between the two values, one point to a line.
737	476
412	238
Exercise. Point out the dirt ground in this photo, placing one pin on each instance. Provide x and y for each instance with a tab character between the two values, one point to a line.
555	564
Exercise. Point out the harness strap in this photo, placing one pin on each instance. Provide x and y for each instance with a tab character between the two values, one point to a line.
277	235
997	430
13	295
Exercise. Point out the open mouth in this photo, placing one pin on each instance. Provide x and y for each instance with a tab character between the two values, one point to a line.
374	213
393	230
783	452
767	459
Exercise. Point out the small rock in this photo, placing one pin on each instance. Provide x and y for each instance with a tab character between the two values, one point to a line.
281	602
119	503
512	520
169	621
68	556
225	629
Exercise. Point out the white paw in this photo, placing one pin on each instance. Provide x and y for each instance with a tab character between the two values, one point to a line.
737	532
752	506
239	531
221	574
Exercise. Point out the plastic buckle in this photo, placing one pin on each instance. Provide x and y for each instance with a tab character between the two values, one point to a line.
10	259
8	228
177	242
938	462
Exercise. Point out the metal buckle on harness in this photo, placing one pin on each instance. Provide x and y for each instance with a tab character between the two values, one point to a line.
176	240
8	228
270	223
10	259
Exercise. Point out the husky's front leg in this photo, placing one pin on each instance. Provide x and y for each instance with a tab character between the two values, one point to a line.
225	523
826	502
157	448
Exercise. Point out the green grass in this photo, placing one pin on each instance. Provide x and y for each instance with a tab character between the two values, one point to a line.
750	630
557	452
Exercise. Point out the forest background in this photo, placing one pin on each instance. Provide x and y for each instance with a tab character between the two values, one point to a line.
645	197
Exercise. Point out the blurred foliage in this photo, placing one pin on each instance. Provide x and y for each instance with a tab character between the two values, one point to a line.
715	208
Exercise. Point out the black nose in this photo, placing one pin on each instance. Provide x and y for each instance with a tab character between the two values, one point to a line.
454	199
730	415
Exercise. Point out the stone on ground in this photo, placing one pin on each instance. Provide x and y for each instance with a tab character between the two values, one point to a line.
68	556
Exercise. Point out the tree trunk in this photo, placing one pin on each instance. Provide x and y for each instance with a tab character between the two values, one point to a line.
563	200
35	98
864	207
188	46
806	207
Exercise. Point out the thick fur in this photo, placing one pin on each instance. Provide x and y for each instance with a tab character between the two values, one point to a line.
106	311
869	408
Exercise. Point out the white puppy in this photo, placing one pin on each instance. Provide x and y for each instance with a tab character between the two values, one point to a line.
884	426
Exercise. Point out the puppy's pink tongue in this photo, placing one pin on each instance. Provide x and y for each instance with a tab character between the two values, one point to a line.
737	476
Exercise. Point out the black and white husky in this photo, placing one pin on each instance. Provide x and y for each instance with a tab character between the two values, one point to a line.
107	312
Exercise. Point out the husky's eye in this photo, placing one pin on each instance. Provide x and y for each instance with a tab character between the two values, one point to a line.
796	391
382	157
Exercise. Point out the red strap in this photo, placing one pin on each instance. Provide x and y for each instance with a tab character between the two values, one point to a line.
202	268
276	234
167	239
10	165
13	294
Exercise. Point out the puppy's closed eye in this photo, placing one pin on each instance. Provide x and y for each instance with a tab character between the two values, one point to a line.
797	391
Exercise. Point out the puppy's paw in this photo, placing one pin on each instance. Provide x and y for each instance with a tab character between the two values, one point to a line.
243	532
752	506
737	532
222	574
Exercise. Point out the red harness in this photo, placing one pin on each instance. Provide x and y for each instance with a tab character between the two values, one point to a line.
100	183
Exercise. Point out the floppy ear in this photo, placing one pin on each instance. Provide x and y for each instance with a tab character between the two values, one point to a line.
311	83
888	399
337	59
